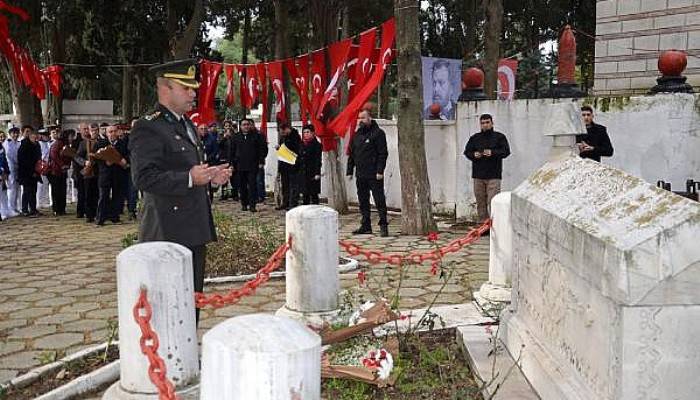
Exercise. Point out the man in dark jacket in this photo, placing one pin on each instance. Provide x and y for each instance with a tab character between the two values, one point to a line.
167	165
486	150
596	142
249	151
289	173
111	178
310	162
368	154
28	155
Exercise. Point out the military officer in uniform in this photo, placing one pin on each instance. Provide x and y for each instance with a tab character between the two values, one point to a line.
167	165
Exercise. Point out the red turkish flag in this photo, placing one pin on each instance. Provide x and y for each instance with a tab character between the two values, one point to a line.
360	71
38	82
14	10
342	120
27	69
338	53
54	78
208	80
242	91
318	78
299	76
277	81
262	79
230	98
251	86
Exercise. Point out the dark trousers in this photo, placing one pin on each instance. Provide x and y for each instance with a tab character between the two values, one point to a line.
199	260
92	194
290	188
132	195
58	193
79	183
29	197
110	202
260	184
248	188
235	185
364	186
311	198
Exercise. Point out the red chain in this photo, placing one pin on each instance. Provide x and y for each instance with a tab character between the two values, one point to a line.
149	347
417	257
234	296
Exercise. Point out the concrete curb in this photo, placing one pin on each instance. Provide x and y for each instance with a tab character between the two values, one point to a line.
106	374
349	266
39	372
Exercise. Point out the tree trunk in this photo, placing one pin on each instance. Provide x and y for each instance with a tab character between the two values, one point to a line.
182	42
324	22
493	25
58	55
281	52
469	15
137	93
127	93
245	44
27	106
416	207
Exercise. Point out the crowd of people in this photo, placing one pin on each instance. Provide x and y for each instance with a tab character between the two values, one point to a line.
39	166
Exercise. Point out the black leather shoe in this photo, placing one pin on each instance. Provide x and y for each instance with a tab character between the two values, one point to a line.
89	220
383	231
362	230
252	209
100	222
244	208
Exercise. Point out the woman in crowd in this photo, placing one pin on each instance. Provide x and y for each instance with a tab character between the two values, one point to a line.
58	168
310	157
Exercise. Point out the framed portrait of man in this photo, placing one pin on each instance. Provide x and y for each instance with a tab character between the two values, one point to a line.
441	85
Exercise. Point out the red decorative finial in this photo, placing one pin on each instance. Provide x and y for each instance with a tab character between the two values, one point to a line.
473	78
567	57
672	62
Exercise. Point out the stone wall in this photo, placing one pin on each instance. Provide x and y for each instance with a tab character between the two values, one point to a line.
655	137
630	34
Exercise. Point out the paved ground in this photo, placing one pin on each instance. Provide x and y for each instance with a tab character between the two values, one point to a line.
58	283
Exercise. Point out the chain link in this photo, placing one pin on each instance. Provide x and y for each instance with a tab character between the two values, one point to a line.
149	347
417	257
234	296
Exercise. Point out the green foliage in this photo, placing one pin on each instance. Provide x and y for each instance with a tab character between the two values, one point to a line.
129	239
242	247
49	356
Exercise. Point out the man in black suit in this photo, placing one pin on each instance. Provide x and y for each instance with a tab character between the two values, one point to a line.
367	160
167	165
28	155
111	178
596	142
249	150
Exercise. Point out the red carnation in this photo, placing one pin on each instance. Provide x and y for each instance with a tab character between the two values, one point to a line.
361	276
433	236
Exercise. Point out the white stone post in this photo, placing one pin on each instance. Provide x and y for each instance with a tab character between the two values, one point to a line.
312	279
165	270
261	357
563	124
501	241
495	294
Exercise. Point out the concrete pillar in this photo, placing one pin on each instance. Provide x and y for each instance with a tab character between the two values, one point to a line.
495	294
563	124
312	279
165	269
261	357
501	241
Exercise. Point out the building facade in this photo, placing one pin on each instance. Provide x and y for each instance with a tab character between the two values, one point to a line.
630	34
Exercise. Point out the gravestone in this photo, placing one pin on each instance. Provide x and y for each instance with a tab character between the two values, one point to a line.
606	285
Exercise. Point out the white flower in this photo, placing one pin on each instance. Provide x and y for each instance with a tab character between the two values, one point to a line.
355	316
386	365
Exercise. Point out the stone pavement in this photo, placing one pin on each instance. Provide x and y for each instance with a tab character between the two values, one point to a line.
58	281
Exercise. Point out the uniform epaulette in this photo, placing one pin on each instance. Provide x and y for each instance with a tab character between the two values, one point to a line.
149	117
